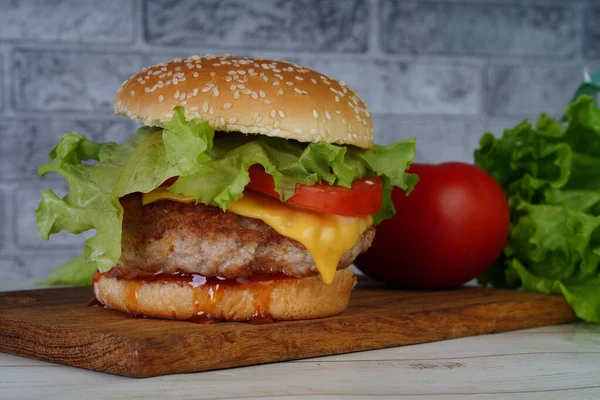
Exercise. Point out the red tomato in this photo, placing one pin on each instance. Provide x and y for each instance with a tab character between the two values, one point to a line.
363	198
450	229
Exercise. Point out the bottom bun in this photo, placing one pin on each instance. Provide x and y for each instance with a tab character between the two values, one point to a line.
278	299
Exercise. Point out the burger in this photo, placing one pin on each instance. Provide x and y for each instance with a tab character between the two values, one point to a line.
246	193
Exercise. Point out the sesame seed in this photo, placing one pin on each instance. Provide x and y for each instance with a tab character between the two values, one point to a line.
176	94
358	117
327	115
216	92
298	90
183	103
198	66
161	98
241	72
273	113
255	115
222	121
267	101
232	87
216	64
241	86
246	91
315	114
236	94
195	108
177	68
205	107
276	131
313	80
226	106
298	131
280	91
275	83
262	94
299	78
232	72
189	95
232	120
228	78
338	112
281	114
195	74
289	83
161	76
259	119
211	111
276	124
189	65
160	84
265	78
367	113
313	131
132	92
206	89
213	73
337	99
195	92
254	95
182	97
175	81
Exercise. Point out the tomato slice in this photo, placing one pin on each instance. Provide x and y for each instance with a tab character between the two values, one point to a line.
363	198
169	181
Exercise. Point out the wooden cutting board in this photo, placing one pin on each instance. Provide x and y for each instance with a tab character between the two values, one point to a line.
56	325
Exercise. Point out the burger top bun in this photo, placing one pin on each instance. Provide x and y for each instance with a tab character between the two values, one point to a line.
249	95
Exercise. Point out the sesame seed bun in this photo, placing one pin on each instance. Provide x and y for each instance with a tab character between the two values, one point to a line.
282	300
249	95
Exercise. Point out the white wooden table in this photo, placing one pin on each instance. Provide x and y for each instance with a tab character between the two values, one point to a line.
558	362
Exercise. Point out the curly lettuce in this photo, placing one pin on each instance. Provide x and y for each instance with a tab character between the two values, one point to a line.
551	176
211	167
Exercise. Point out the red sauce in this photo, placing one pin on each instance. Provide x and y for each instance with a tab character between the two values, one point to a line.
94	302
208	292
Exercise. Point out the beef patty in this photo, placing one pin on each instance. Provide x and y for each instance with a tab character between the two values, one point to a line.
168	237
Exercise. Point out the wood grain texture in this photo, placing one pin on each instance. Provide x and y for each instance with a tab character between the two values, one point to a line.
56	325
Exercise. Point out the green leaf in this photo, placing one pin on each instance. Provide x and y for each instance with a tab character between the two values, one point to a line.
551	176
77	271
212	168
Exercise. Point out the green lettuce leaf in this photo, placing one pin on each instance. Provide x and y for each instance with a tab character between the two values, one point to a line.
212	168
551	176
77	271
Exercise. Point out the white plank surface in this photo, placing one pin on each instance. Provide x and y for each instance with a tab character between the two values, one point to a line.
558	362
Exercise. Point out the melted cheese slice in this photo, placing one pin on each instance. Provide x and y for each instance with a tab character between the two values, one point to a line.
326	236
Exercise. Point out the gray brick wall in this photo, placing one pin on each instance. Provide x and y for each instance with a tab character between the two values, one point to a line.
443	71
